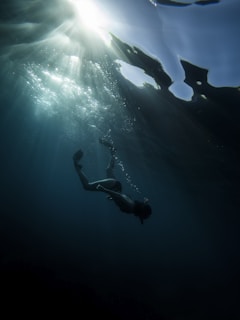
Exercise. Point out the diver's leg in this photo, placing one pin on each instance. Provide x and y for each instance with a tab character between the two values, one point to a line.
84	180
106	143
92	186
78	167
110	167
110	183
77	157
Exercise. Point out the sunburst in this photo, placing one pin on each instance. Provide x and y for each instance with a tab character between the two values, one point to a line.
92	18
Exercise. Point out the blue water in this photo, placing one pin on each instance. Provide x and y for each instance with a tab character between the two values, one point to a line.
64	249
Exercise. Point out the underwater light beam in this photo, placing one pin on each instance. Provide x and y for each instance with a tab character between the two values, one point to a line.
92	18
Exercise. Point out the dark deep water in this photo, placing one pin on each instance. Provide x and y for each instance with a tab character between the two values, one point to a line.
66	251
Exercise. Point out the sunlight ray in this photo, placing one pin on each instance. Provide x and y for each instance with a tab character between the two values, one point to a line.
92	18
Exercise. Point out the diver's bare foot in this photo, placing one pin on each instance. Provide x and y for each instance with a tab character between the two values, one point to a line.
76	158
107	144
77	155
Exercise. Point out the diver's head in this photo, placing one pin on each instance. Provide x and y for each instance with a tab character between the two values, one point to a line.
142	210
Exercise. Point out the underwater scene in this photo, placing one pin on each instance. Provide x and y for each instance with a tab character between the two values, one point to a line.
120	153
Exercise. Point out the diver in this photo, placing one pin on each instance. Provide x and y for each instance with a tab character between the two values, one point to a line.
112	186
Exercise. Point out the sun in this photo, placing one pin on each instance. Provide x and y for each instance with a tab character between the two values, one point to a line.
89	14
92	18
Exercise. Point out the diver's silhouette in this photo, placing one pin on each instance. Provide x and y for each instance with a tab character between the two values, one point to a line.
112	186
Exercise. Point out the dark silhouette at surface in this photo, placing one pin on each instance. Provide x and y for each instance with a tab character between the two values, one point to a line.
182	4
112	186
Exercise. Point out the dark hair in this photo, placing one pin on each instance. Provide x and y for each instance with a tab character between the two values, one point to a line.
142	210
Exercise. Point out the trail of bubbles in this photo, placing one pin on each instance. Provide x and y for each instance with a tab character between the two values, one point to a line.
108	137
